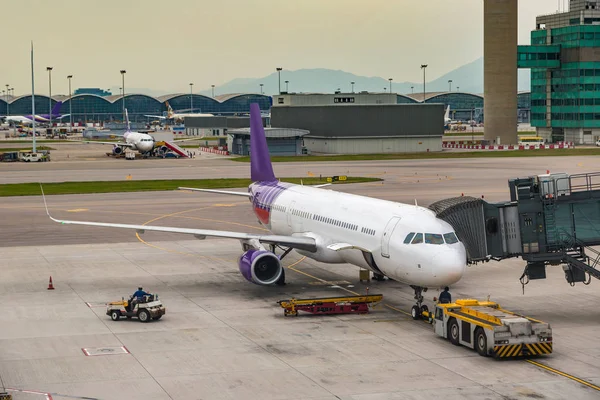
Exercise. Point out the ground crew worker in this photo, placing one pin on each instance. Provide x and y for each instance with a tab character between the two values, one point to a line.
136	297
445	296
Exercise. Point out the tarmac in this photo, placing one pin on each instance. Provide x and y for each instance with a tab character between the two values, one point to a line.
224	338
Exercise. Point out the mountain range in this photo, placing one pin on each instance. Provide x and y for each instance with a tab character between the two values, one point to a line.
467	78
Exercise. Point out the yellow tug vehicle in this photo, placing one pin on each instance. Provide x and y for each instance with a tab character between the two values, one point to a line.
490	329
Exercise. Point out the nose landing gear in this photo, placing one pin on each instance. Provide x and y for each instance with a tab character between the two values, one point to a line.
417	310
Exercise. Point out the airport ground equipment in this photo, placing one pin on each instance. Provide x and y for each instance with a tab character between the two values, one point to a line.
330	305
148	308
490	329
551	219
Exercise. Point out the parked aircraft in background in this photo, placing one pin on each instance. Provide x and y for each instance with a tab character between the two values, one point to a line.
43	118
141	142
405	242
177	115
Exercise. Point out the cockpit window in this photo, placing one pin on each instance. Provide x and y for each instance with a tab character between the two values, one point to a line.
450	238
417	239
409	238
434	238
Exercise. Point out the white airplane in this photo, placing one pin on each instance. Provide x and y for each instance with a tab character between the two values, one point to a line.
54	115
177	116
405	242
447	119
141	142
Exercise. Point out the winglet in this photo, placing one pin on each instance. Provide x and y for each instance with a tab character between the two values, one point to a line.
261	169
44	197
46	206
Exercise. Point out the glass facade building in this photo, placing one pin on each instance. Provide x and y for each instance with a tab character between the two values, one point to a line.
564	58
94	108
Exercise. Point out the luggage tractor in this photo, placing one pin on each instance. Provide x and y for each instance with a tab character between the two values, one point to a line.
146	308
490	329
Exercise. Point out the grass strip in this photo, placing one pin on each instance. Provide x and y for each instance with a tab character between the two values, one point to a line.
436	155
33	189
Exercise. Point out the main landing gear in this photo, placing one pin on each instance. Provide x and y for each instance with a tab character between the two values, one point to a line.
417	310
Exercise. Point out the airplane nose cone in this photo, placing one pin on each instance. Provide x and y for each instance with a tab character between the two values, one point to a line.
450	265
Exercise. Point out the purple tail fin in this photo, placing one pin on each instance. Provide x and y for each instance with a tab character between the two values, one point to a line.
261	169
56	108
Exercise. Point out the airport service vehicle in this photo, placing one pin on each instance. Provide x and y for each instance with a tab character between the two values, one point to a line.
598	143
330	305
34	157
490	329
148	308
405	242
531	140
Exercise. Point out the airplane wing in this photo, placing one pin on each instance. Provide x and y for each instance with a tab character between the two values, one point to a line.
302	243
245	194
63	116
155	116
121	144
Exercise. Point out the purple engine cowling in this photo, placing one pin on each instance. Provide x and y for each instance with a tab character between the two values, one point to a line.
260	266
117	150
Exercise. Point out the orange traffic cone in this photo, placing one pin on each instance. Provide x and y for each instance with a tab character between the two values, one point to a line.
50	285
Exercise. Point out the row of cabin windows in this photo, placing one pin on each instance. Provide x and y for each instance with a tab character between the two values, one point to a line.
335	222
431	238
278	208
368	231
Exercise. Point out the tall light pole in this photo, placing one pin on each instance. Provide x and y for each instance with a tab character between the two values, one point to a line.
70	105
123	72
424	68
385	89
213	90
412	89
458	88
191	98
7	93
286	86
449	85
352	83
390	79
261	88
279	69
49	69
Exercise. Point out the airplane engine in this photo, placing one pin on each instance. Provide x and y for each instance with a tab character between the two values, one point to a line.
164	149
260	266
117	150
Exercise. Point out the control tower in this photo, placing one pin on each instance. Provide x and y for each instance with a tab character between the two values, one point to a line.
500	71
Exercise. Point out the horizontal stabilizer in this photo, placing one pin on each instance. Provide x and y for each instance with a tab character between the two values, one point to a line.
244	194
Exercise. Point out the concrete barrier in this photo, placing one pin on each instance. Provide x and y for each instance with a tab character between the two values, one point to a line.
501	147
214	151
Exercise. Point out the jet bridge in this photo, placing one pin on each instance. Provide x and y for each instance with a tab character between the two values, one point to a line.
551	219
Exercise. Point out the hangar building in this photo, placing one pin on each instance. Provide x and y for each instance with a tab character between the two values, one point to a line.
346	127
281	141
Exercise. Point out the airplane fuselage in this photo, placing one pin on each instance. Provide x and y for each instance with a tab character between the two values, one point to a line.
363	231
141	142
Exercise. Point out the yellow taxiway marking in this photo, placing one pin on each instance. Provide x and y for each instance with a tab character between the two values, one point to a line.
319	279
75	210
564	374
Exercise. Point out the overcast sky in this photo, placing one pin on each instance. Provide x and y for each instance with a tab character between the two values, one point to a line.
165	45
